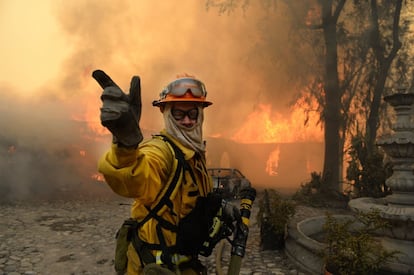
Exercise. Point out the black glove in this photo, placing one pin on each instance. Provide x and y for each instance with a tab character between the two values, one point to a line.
120	113
193	229
230	213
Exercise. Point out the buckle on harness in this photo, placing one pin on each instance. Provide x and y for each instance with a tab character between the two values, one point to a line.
176	259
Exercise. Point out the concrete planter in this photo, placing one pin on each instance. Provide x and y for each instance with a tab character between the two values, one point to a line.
302	248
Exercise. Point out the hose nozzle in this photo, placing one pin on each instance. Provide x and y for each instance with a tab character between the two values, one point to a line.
242	230
248	196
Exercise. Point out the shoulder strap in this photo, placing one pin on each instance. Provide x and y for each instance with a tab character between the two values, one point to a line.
166	200
168	191
179	155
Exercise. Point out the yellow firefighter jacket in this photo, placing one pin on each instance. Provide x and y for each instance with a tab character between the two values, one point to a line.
143	174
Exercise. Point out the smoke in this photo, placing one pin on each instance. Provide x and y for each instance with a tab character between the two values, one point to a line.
157	40
47	143
44	152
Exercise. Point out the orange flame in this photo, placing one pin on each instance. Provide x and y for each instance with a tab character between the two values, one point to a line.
89	114
272	163
266	126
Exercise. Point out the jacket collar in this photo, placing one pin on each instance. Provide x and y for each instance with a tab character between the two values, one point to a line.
188	153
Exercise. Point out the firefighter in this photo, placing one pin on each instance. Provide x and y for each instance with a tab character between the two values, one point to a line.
173	203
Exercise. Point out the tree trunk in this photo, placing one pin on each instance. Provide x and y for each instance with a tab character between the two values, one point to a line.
384	63
331	175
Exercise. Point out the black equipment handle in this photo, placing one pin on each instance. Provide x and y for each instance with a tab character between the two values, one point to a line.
238	249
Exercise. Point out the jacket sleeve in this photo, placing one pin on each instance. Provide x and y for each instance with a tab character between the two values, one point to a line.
138	173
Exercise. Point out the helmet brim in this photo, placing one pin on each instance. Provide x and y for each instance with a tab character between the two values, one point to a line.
204	103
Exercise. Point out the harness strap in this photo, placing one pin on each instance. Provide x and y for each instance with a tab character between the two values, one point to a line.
180	157
166	224
176	259
166	254
143	248
145	255
165	200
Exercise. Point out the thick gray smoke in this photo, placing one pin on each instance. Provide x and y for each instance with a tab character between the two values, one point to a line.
44	153
47	148
242	57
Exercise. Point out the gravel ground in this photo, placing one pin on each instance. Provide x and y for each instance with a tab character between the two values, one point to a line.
77	237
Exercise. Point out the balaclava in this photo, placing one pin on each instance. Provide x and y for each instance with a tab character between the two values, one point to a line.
191	138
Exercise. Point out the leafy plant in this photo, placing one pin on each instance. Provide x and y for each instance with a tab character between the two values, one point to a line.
367	171
273	216
315	194
352	247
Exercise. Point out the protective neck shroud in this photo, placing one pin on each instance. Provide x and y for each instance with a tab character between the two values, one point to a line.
191	138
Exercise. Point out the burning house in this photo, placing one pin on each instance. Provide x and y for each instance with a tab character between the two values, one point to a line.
282	166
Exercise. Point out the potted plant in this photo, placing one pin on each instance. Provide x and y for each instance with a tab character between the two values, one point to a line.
351	245
273	216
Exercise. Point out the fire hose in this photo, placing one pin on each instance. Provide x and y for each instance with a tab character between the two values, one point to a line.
242	231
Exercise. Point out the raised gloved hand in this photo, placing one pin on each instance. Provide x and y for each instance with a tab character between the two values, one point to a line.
120	113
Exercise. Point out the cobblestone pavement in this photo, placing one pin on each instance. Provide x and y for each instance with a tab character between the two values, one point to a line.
77	237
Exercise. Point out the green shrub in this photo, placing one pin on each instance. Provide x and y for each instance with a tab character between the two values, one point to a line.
314	193
366	170
273	216
352	247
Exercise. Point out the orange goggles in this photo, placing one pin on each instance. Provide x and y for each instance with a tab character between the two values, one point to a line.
180	86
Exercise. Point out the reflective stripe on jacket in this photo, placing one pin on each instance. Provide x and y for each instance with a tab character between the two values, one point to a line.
143	173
